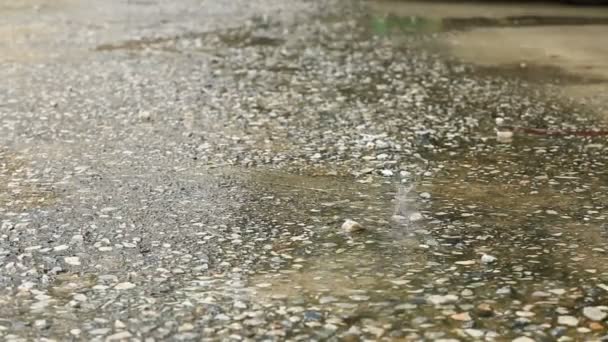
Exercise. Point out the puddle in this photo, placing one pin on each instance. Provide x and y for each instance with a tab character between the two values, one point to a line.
548	44
537	205
392	24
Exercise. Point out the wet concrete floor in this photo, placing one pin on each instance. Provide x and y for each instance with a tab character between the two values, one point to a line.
164	177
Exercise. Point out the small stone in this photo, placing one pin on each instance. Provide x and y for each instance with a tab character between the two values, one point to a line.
80	297
327	299
387	173
185	327
570	321
253	322
594	313
595	326
440	300
144	115
74	261
504	136
484	310
466	293
240	305
425	195
41	324
119	336
463	316
311	315
406	306
416	217
465	262
504	290
100	331
558	292
77	238
525	313
488	259
400	282
523	339
124	286
475	333
351	226
60	248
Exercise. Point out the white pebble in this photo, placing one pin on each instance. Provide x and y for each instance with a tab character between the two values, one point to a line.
570	321
386	173
124	286
416	217
351	226
488	259
74	261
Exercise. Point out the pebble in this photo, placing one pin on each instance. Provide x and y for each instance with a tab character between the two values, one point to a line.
185	327
414	217
466	293
351	226
484	310
524	339
144	115
504	136
463	316
387	173
570	321
359	298
466	262
100	331
124	286
525	314
440	300
41	324
595	326
594	313
74	261
80	297
488	259
327	299
475	333
558	292
406	306
60	248
123	335
504	290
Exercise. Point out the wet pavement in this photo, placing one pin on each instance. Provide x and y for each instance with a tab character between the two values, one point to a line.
183	170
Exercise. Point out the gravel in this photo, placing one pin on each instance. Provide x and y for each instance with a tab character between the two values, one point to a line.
165	177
